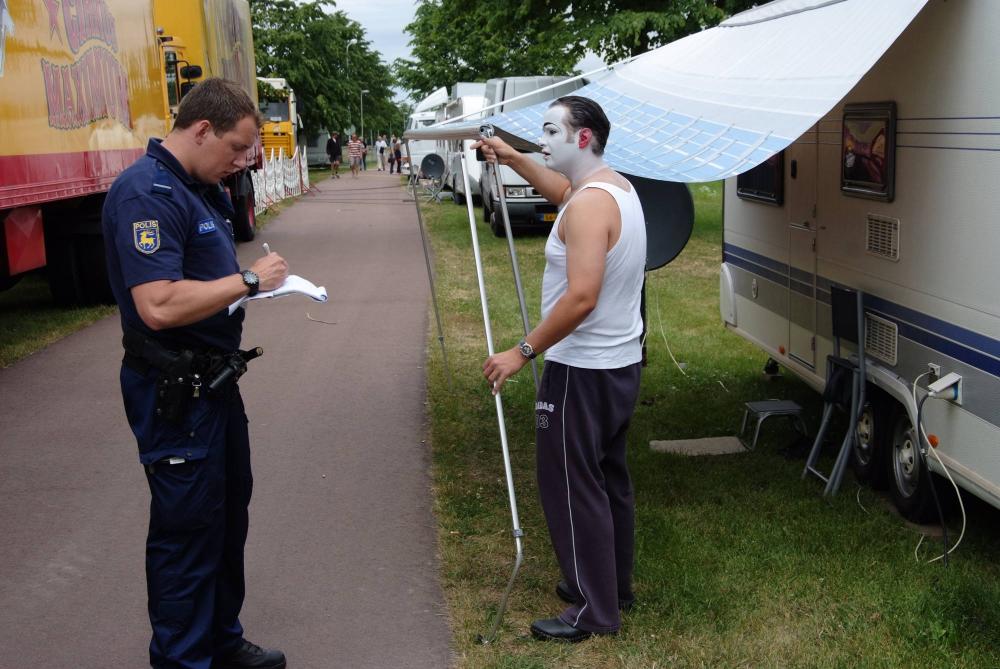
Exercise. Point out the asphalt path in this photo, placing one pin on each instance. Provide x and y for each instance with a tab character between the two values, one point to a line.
341	566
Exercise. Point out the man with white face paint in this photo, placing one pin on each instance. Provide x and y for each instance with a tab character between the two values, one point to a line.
590	333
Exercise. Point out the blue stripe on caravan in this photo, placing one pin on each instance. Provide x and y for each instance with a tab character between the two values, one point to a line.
803	288
967	355
762	272
960	343
756	258
935	325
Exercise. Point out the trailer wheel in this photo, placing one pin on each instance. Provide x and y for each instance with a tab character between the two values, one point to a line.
868	458
245	221
487	211
456	197
496	225
909	480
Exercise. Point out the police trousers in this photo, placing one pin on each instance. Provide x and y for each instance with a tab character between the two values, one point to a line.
581	420
198	522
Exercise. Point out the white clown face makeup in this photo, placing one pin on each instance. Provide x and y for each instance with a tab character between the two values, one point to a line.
561	147
558	141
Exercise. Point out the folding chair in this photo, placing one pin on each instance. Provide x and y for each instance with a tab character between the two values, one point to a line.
432	173
845	383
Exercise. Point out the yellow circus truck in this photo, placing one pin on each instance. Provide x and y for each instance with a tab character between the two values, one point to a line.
84	84
281	117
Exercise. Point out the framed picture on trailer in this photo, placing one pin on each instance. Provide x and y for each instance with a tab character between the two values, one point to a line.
868	150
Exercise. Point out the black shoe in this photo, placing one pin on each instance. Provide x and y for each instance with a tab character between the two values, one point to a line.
553	629
251	656
565	594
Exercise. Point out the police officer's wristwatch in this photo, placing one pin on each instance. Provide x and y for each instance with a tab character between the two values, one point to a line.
526	349
251	281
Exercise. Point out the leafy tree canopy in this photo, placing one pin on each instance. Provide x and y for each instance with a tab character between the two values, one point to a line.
474	40
326	59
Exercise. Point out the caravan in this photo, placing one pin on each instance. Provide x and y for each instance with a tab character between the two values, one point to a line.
424	114
467	98
893	193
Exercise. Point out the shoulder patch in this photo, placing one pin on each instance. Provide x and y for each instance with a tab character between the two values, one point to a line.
146	236
206	226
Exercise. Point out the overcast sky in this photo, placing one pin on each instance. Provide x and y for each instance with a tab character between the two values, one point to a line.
385	22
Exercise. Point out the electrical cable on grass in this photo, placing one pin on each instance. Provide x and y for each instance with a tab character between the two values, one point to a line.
659	320
923	433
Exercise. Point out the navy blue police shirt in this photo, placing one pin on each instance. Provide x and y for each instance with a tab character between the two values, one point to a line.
160	223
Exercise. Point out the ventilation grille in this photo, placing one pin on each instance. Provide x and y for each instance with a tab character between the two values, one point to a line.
880	338
883	237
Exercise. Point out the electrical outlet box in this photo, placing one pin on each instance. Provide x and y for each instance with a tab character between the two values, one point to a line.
933	372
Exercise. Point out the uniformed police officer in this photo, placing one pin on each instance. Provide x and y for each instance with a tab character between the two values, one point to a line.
173	270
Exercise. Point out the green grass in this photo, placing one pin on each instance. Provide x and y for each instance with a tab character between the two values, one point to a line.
30	320
739	562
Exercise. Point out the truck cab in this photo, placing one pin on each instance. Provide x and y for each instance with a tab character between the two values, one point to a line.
281	119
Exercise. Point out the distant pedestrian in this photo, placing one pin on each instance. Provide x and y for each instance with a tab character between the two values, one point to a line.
380	147
355	151
364	155
390	154
333	153
397	153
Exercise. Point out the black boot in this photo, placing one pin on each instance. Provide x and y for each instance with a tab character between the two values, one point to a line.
251	656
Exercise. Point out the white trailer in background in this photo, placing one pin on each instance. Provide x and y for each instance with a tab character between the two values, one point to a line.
466	98
896	193
424	115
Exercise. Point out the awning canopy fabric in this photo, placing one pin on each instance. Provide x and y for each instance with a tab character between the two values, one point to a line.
719	102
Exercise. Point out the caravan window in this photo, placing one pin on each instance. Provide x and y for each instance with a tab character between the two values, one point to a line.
764	183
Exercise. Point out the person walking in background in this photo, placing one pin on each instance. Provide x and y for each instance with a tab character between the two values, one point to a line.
333	152
590	332
397	154
380	146
364	155
388	151
355	150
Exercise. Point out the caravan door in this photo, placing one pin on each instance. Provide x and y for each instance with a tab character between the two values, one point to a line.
801	161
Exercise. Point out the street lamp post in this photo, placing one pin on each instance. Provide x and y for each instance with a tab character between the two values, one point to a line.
347	51
363	91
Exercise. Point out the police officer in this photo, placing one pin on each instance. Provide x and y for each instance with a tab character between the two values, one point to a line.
173	270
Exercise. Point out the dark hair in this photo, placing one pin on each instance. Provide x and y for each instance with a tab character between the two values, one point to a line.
585	113
220	102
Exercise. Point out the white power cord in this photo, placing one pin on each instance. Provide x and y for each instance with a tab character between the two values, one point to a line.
937	457
659	321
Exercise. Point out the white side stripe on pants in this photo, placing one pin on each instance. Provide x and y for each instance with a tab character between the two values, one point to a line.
569	504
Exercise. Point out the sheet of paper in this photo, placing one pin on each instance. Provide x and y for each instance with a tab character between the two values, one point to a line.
293	285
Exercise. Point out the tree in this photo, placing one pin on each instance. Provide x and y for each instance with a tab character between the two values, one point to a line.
619	29
473	40
326	59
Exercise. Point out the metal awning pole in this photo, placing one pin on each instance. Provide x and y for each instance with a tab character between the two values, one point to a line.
498	181
517	532
430	271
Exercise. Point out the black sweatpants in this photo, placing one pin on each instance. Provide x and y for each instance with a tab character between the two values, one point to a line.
582	416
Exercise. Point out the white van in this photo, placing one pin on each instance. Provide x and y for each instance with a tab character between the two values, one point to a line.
528	210
894	193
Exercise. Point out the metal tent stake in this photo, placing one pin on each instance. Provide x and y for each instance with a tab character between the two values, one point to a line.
517	532
427	261
487	131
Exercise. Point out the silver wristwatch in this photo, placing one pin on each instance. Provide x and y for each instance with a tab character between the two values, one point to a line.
526	350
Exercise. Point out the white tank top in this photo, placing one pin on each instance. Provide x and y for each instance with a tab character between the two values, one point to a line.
609	338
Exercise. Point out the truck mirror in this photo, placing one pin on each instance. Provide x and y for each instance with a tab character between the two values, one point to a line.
186	87
191	72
